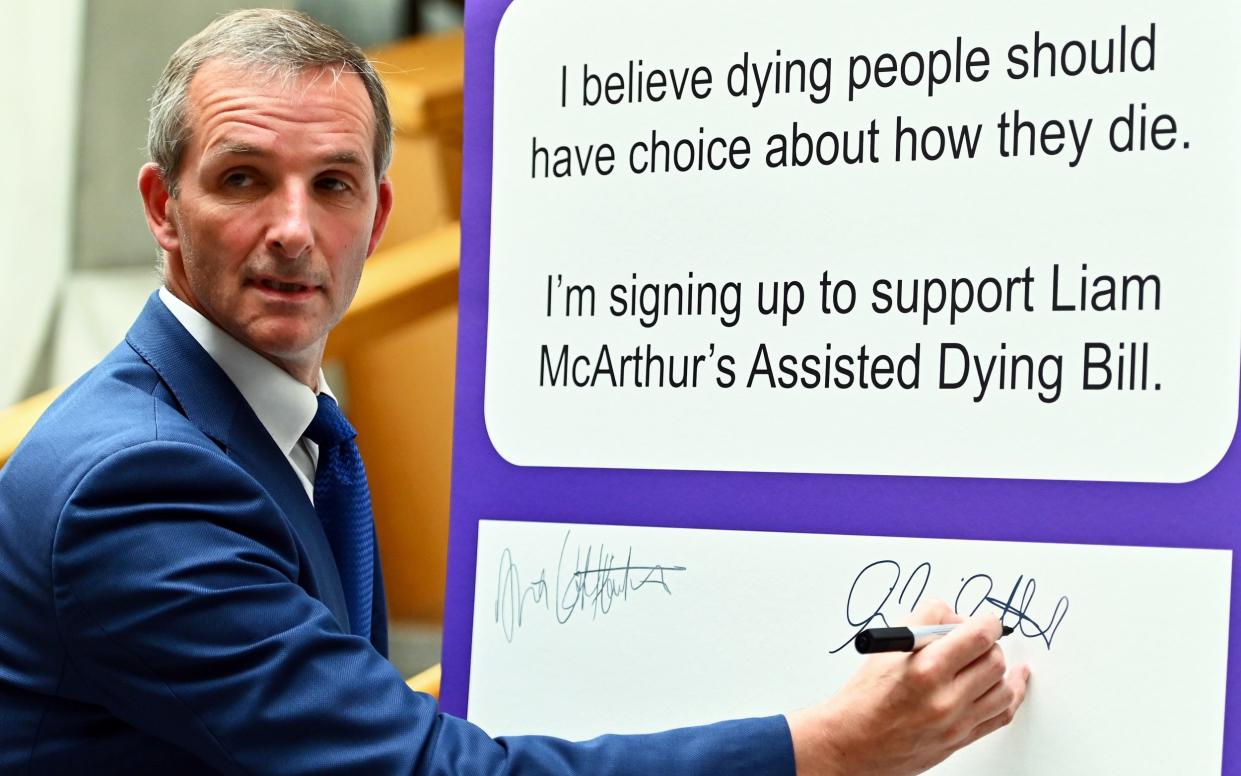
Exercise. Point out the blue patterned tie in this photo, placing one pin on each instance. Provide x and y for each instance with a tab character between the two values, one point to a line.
343	502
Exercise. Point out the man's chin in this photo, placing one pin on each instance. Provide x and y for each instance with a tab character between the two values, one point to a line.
286	344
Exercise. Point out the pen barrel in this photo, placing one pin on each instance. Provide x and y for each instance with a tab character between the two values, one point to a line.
922	639
925	634
912	639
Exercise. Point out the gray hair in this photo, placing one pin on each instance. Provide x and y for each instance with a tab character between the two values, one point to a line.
273	43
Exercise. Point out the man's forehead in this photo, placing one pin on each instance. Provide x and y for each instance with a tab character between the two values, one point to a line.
222	92
335	83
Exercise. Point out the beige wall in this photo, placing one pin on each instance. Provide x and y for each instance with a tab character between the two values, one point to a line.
39	90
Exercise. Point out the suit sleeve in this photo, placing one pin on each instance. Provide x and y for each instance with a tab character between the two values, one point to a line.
175	580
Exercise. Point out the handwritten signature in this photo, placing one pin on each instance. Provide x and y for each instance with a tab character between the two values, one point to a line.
593	580
974	593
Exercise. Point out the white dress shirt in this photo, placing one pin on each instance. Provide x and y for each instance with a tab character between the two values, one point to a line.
282	404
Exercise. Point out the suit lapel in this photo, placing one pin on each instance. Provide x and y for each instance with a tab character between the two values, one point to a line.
252	447
214	405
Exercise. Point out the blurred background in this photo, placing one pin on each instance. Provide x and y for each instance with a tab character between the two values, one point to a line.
77	262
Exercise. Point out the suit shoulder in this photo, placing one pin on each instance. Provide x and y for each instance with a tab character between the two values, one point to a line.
118	404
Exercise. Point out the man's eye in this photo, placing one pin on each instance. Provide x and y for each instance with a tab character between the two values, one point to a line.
332	184
238	180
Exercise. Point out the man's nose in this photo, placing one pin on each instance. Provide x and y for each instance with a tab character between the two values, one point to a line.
290	234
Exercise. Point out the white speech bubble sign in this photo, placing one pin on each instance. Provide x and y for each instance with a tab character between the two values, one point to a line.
1015	230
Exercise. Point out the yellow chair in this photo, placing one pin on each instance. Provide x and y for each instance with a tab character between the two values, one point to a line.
428	681
16	420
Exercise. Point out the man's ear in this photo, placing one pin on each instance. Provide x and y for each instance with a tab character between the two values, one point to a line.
382	210
156	201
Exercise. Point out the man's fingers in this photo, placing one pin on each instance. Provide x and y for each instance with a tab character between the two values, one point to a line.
1003	703
1019	679
981	676
963	646
996	699
933	612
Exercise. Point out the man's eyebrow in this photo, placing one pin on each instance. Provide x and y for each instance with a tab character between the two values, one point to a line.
234	147
238	148
344	157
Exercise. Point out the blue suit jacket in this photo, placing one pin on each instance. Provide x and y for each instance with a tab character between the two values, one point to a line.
169	604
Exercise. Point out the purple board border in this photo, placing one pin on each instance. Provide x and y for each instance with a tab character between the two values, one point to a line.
485	486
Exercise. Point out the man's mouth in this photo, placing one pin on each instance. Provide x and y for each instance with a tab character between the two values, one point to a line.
284	287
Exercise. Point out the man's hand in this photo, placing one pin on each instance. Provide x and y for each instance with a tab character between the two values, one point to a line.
902	713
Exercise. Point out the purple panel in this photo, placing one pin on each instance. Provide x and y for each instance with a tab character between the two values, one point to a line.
1200	514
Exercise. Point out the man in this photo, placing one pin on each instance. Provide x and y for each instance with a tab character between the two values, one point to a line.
187	564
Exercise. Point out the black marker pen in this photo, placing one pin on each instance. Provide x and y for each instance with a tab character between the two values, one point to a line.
874	640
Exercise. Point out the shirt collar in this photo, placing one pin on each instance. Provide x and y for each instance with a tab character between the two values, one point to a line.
283	405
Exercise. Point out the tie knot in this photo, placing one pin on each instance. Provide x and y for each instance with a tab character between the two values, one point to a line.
329	427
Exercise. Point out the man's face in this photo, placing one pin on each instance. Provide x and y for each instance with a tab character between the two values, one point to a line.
277	208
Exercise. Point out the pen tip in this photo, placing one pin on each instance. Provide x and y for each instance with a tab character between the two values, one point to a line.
1007	630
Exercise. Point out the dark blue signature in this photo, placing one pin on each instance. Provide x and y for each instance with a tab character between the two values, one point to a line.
862	611
594	581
